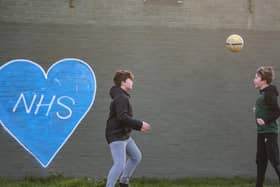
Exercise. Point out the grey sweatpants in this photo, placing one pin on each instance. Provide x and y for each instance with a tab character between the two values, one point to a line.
122	165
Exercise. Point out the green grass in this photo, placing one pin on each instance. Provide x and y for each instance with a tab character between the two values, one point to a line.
60	181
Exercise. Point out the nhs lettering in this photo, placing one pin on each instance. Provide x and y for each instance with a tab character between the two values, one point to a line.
48	105
41	110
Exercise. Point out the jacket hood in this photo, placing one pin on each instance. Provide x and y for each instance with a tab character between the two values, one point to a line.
116	91
271	88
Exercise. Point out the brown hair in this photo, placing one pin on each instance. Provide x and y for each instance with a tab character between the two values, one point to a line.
121	76
266	73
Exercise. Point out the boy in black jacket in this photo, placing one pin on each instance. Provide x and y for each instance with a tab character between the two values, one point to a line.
266	111
119	125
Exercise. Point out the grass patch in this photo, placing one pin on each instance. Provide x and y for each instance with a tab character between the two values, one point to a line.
60	181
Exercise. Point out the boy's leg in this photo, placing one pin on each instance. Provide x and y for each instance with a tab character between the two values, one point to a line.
134	157
118	151
261	160
273	153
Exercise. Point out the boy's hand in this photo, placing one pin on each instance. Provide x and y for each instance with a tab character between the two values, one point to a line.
145	127
260	121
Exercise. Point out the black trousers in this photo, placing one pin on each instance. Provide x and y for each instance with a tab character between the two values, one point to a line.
267	149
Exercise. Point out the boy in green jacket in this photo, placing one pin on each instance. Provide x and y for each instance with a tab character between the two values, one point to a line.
267	111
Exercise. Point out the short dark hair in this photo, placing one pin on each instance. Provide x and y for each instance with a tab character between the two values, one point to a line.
266	73
121	76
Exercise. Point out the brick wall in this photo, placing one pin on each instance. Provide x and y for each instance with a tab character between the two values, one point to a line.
243	14
197	95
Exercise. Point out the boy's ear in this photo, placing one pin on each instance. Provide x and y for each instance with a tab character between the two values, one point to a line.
122	82
265	82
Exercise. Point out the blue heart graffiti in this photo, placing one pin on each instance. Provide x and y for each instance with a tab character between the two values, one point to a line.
41	110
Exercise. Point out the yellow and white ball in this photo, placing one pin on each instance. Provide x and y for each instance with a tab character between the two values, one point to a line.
234	43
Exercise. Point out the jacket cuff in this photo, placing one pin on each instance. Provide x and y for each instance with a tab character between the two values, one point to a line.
138	125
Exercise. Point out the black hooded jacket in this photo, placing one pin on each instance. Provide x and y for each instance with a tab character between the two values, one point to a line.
120	121
270	100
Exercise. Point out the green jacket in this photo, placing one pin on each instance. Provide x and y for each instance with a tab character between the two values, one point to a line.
267	109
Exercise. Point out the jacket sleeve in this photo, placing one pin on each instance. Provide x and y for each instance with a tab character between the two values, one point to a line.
270	99
122	106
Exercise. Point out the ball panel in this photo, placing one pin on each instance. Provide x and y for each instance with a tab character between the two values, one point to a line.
234	43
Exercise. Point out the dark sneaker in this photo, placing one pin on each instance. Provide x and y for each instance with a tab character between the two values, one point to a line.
124	185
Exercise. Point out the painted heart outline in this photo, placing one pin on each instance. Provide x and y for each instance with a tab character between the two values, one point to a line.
42	110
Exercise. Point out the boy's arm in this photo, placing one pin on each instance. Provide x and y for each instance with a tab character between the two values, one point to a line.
122	104
270	99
